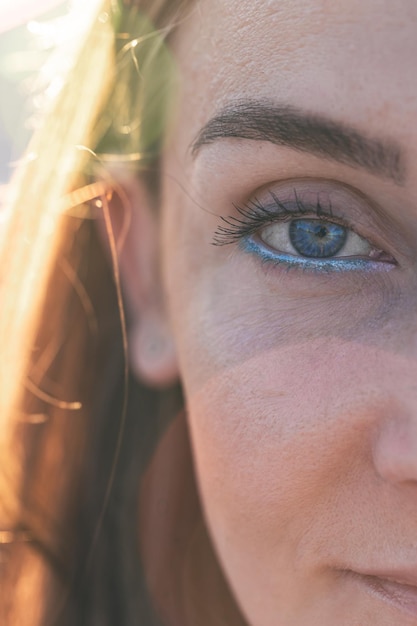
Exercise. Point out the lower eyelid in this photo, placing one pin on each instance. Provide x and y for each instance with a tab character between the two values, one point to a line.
253	245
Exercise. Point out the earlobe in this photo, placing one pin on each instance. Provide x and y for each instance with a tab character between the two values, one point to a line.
152	352
134	228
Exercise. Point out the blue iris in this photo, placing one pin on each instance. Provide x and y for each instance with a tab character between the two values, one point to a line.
316	238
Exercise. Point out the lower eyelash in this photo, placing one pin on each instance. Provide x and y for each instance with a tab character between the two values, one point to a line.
341	264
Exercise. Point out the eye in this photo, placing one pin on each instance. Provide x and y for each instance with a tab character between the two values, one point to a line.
314	239
306	229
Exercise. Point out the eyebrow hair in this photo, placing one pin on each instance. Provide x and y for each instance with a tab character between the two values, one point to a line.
303	131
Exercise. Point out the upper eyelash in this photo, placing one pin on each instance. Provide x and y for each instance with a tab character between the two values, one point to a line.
253	215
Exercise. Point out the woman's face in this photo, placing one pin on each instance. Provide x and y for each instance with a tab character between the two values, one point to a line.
295	151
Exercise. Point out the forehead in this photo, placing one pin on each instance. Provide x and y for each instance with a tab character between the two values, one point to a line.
353	60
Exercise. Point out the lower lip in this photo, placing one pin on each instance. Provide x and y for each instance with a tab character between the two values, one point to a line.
400	595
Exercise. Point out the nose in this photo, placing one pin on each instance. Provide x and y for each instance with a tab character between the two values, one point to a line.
395	448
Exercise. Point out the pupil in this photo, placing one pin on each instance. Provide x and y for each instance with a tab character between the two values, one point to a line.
315	239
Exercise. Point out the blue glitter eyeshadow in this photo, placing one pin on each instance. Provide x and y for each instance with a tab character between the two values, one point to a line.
340	264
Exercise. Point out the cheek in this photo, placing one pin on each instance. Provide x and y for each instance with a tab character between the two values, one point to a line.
286	384
280	386
268	433
282	445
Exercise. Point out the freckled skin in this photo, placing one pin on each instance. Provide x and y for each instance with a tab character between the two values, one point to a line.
301	389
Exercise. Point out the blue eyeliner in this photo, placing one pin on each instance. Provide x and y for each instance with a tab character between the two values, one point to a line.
315	238
249	244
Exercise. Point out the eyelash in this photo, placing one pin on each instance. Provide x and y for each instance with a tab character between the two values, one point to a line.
254	216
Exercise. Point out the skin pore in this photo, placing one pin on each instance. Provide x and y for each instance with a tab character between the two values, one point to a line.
300	376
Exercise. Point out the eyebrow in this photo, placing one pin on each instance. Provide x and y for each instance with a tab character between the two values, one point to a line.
306	132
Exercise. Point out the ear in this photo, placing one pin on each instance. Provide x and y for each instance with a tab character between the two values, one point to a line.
132	222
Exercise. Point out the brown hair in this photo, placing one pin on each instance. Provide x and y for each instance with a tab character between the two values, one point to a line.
66	497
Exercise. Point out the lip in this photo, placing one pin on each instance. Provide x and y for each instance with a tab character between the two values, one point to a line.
396	587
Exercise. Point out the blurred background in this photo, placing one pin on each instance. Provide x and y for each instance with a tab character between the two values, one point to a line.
30	31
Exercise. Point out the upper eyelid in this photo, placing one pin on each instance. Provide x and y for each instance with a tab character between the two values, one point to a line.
255	214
